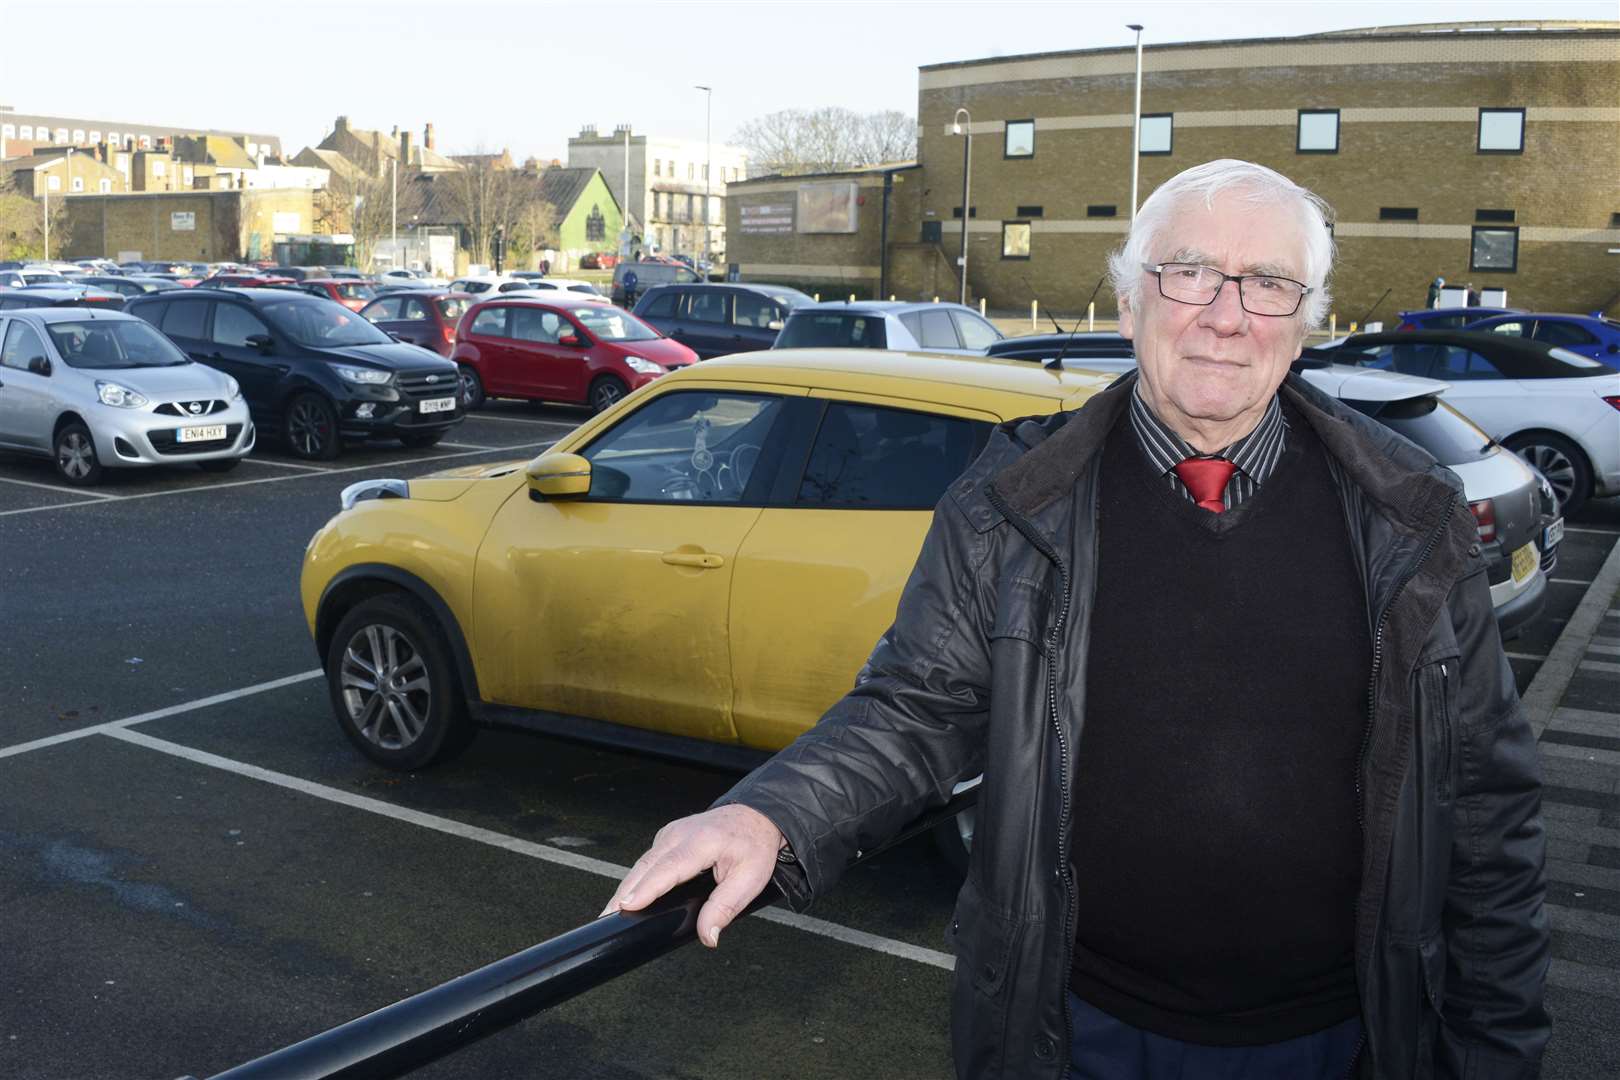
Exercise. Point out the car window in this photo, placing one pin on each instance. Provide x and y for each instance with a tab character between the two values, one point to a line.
831	329
538	324
1512	328
661	305
975	332
1562	333
356	290
121	344
234	324
690	446
152	313
754	310
474	287
384	309
1444	432
321	326
23	343
614	324
412	309
515	286
451	308
1454	363
708	306
869	457
185	319
932	329
491	322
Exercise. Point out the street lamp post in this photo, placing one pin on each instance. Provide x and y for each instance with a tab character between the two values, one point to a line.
708	162
959	128
1136	119
393	214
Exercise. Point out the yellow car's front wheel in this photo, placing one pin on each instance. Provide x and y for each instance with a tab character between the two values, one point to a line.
393	686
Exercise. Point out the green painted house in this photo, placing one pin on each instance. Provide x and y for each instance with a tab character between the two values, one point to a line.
588	216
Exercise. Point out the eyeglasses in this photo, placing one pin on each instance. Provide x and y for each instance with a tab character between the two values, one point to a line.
1259	294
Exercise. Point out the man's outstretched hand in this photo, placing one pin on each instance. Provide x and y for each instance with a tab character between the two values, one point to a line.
739	843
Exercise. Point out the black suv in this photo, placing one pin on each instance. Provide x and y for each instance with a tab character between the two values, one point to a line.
713	320
311	369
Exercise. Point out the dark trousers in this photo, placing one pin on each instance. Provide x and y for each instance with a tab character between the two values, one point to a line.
1104	1048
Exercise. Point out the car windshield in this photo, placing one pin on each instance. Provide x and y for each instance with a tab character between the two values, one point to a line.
101	344
820	329
452	307
357	290
322	325
614	324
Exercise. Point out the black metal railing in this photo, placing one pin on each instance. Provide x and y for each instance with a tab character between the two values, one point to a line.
408	1034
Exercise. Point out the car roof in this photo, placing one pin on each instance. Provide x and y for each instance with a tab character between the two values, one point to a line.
70	314
554	298
240	292
878	307
425	292
958	378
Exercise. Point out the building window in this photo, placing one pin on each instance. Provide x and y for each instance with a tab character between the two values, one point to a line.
27	132
1494	249
78	183
157	168
146	142
53	182
658	167
1504	217
705	170
1501	131
1318	131
1015	239
253	149
1397	213
670	169
1156	132
1031	211
61	135
78	136
185	175
1102	211
106	187
932	232
1020	139
112	139
95	137
595	225
956	212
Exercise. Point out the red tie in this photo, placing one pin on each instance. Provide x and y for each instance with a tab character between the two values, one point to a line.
1206	478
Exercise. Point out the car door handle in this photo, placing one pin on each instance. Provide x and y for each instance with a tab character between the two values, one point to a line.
704	561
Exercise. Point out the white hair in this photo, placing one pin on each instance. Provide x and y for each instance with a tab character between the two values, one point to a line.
1253	184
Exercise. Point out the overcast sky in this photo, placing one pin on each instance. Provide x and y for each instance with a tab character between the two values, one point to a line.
526	74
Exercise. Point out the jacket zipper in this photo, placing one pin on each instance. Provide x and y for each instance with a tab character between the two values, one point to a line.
1070	895
1449	738
1367	726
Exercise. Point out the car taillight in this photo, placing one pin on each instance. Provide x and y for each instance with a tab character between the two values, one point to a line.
1484	518
449	334
1613	400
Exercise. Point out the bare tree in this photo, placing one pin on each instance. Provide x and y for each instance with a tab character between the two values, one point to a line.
484	195
798	141
364	206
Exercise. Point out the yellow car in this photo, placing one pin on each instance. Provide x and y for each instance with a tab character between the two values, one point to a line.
698	572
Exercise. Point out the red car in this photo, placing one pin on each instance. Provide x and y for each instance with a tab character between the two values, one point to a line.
580	352
425	317
352	293
248	281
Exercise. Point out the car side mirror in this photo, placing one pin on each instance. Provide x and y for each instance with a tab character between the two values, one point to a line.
558	476
774	324
262	342
39	365
569	339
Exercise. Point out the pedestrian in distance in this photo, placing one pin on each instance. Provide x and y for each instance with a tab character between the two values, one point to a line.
1473	295
1434	292
1259	800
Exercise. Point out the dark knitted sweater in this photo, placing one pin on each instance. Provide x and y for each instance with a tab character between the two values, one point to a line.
1216	848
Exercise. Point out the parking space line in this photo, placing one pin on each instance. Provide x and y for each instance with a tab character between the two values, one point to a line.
276	479
158	714
547	423
470	446
284	464
1523	656
544	852
1568	581
60	489
1594	532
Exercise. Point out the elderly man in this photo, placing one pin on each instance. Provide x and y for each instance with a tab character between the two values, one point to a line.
1258	800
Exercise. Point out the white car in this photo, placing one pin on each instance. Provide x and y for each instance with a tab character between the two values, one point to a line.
571	286
416	279
485	285
1557	409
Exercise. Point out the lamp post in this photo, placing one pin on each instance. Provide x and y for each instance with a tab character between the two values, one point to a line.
959	128
393	214
708	163
1136	119
45	190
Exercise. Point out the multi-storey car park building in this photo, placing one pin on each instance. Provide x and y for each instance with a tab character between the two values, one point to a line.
1478	152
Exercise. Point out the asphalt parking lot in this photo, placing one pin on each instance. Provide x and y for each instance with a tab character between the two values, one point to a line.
196	867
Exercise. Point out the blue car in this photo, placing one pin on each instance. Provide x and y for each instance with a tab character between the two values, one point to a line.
1449	318
1590	335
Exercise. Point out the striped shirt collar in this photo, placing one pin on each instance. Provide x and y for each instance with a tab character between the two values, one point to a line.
1255	455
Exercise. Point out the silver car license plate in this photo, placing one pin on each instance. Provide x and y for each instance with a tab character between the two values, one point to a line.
200	434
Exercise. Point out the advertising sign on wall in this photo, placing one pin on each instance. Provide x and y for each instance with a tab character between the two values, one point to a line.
183	221
827	208
767	218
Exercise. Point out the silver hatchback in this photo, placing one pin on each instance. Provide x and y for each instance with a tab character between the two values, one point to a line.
94	390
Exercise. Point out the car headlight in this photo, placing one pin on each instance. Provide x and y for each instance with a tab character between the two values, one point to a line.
646	367
365	376
120	397
233	389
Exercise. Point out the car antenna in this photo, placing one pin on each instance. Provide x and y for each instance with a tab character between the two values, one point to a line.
1056	363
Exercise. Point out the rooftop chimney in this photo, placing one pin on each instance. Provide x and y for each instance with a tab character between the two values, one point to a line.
588	131
395	133
342	124
427	137
405	148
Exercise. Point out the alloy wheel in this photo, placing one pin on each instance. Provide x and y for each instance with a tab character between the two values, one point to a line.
1555	465
309	427
75	456
605	396
385	685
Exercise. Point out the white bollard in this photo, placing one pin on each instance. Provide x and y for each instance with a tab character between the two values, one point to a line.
1034	316
1091	316
981	305
936	299
818	298
852	298
1333	326
891	298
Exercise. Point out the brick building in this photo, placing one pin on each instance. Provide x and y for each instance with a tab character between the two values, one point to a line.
1480	152
207	226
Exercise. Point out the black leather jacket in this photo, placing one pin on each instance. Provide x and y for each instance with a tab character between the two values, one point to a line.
983	671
